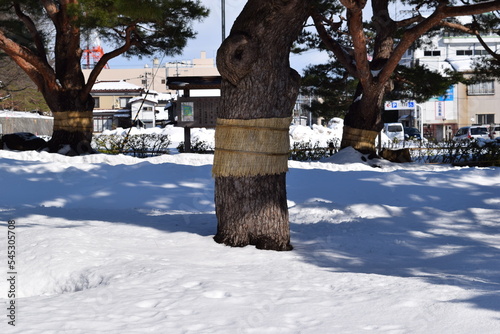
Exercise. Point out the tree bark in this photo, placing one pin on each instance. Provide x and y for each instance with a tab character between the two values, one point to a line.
253	211
257	83
72	133
363	122
61	80
63	87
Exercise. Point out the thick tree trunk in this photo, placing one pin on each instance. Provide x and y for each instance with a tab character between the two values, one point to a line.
72	133
363	122
251	157
253	211
73	122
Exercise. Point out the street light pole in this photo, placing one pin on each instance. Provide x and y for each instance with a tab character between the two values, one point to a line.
223	19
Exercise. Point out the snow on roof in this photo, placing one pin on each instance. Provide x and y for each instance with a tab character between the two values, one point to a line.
115	111
115	85
461	64
438	66
143	97
21	114
164	96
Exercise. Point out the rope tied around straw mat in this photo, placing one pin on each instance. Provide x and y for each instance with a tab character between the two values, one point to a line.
73	121
251	147
362	137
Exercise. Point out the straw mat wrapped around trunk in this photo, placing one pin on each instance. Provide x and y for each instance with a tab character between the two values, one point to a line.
359	139
73	121
251	147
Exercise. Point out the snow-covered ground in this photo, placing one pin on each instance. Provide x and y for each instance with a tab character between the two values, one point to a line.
115	244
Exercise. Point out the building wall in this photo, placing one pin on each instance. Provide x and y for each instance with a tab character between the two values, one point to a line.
108	102
458	109
462	105
484	105
202	66
143	77
146	112
137	76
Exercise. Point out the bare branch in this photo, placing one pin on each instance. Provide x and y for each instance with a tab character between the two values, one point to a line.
472	31
478	8
37	69
409	37
442	12
35	33
409	21
332	45
487	48
354	4
355	24
50	7
107	57
458	26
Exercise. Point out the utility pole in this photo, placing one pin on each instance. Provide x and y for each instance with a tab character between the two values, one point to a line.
223	19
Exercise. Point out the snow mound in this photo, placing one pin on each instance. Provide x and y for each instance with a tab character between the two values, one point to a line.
349	155
48	285
316	135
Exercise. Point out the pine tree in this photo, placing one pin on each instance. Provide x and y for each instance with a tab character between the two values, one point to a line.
371	51
44	38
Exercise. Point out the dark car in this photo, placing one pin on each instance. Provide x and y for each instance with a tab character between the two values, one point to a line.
412	133
22	141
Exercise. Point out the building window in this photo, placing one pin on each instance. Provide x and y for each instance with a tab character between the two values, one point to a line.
124	102
163	81
464	52
432	53
471	52
102	123
485	118
481	88
481	52
96	103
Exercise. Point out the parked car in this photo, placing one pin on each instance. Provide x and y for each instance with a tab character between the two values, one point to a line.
495	131
468	133
412	133
394	131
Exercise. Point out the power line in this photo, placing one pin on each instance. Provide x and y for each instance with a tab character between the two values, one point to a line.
142	103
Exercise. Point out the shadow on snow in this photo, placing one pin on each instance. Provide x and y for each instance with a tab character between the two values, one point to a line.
357	221
439	227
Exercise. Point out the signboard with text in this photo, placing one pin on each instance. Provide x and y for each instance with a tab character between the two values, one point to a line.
400	105
187	112
440	110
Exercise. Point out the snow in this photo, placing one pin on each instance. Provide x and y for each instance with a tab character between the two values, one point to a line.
462	64
317	135
116	244
21	114
115	85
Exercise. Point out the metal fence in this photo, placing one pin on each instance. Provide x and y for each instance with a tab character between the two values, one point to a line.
11	122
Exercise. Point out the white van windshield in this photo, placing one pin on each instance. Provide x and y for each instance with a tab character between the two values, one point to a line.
394	128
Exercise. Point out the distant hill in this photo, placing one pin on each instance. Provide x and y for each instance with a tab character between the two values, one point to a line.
24	95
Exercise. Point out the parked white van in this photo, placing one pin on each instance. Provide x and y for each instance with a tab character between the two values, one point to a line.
394	131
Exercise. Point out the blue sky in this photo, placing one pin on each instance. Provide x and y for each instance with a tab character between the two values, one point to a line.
209	38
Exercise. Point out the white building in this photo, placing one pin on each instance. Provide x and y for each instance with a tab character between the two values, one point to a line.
461	105
143	110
